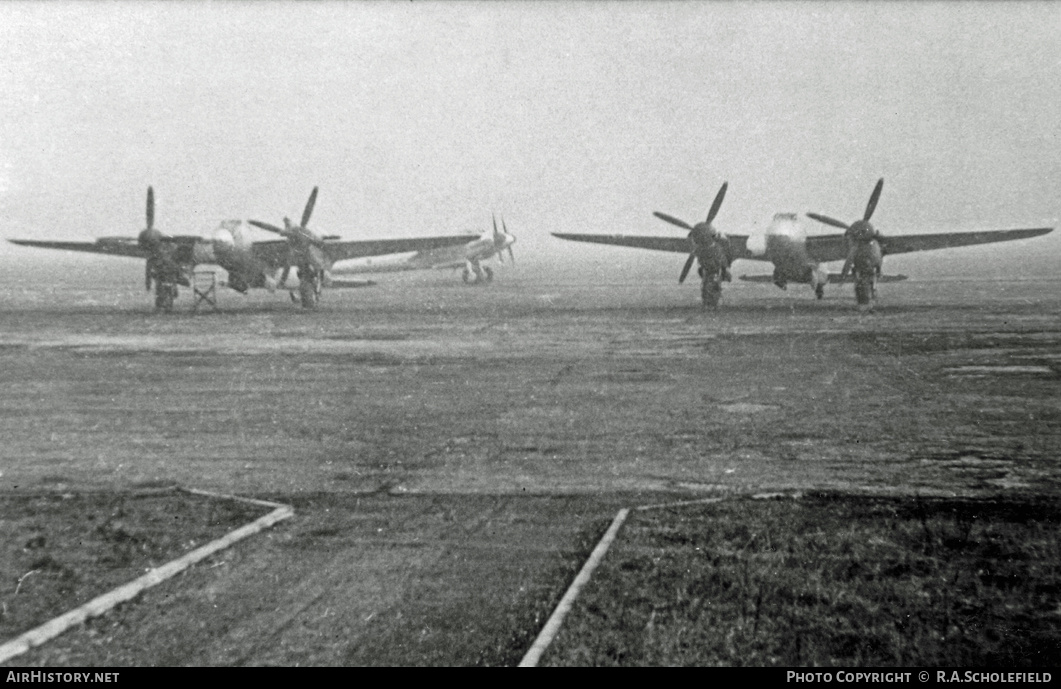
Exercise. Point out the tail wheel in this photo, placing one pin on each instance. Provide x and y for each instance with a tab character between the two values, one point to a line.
488	273
467	276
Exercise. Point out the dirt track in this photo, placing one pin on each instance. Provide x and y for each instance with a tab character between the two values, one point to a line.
449	457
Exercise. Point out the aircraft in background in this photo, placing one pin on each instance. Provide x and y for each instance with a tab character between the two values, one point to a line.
468	256
171	259
797	257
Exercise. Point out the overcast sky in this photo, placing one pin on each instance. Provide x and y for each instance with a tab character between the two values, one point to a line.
419	118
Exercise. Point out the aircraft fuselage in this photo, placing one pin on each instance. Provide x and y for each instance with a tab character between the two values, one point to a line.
477	249
784	244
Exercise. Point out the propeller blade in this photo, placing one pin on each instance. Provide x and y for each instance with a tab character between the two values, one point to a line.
309	207
672	220
150	208
147	274
498	237
828	221
266	226
717	203
685	270
873	198
504	230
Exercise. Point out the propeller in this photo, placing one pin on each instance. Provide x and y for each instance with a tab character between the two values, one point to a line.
299	237
502	239
511	256
151	240
166	254
859	230
701	234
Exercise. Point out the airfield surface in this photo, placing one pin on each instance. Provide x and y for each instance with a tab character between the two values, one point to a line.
453	452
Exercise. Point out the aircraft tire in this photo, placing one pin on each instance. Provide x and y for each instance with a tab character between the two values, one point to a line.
863	289
308	292
488	274
165	294
711	292
466	276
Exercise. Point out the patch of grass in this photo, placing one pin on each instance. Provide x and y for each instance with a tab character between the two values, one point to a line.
59	551
826	580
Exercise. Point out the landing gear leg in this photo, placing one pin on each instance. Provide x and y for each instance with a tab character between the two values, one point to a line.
865	290
165	294
309	288
473	274
711	291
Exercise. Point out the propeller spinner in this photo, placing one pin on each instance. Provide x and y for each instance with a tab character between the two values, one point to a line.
700	234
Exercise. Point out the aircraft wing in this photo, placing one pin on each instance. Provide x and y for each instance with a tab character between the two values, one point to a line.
114	247
926	242
679	245
825	248
344	249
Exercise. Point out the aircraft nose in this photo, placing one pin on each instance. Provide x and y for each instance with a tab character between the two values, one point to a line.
223	235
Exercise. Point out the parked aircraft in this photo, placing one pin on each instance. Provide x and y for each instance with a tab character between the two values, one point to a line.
468	256
797	257
171	259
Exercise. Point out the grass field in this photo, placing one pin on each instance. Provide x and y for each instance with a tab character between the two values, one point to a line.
827	579
61	550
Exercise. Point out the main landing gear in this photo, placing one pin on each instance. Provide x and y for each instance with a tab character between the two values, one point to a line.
474	274
865	289
711	285
165	295
310	284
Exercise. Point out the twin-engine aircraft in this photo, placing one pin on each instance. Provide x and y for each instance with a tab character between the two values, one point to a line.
796	256
171	259
469	257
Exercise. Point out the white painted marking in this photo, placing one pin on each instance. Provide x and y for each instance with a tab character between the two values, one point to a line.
552	626
1000	369
682	503
101	604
